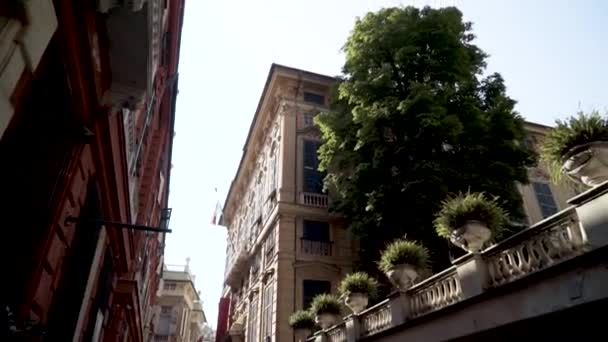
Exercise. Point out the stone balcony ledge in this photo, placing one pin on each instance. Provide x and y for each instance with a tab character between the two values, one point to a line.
570	238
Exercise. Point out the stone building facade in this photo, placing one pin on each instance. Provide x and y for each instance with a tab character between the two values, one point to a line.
87	106
178	312
284	247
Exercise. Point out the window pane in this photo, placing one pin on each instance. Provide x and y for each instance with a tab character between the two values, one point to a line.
3	22
314	98
311	288
316	231
545	199
313	178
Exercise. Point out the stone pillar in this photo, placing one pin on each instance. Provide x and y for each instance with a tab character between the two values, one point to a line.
593	216
399	304
352	328
288	154
472	274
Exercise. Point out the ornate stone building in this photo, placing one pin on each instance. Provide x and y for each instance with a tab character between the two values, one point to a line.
283	245
178	313
87	106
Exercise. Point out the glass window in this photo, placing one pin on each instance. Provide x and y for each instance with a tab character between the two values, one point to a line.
3	23
312	288
267	312
545	199
313	178
316	231
309	119
314	98
252	329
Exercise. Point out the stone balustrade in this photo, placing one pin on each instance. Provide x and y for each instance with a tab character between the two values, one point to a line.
577	230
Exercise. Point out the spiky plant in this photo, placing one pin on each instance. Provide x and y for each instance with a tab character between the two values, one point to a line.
302	319
326	303
457	210
403	251
359	282
561	141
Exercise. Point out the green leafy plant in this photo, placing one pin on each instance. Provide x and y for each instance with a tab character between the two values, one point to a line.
302	319
561	142
404	251
359	282
457	210
326	303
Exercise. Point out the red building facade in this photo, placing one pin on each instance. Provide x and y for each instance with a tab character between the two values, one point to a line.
87	142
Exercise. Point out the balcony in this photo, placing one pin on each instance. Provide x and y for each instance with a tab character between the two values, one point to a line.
314	200
312	247
134	32
550	273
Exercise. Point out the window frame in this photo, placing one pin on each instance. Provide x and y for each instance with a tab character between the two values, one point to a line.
307	299
543	193
310	168
314	98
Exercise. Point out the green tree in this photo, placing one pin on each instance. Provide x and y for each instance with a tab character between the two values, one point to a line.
413	119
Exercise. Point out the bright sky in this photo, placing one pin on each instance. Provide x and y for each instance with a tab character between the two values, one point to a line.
552	54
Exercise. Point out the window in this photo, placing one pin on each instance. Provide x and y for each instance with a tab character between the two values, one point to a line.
316	231
165	310
170	286
309	119
545	199
267	312
3	22
314	98
252	329
269	246
313	178
312	288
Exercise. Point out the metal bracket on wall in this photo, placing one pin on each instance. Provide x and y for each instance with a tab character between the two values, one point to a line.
164	223
71	219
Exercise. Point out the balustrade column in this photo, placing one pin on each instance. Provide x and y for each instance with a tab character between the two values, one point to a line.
473	275
593	216
353	330
399	305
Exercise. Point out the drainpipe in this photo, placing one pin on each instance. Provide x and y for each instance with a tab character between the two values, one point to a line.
296	191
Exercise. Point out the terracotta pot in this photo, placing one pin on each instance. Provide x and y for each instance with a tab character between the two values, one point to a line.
587	163
472	236
357	302
302	334
403	276
326	320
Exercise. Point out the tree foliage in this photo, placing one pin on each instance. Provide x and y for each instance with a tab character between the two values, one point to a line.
414	119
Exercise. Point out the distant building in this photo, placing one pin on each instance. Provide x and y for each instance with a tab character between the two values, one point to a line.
283	246
178	313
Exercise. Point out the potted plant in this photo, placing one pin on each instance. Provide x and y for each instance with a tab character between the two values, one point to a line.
357	288
470	220
302	322
402	261
578	147
326	308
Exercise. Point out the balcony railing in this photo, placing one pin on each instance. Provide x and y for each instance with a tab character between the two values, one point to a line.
313	247
314	200
570	233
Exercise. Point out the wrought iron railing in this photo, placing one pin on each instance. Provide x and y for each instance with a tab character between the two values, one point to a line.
313	247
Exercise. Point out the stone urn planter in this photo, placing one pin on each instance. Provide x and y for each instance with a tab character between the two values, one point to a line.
403	276
326	320
357	302
587	163
472	236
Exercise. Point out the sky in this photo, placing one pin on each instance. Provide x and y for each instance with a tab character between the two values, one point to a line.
551	53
